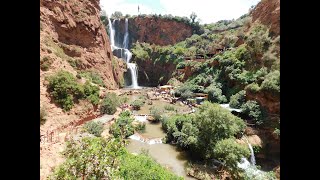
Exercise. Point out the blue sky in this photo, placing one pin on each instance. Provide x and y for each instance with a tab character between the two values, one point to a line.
208	11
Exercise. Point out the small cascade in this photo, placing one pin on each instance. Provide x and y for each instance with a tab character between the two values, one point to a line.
252	158
134	75
141	118
122	51
250	167
140	138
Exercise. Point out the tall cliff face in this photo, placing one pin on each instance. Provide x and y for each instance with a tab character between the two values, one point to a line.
159	31
72	38
71	31
268	13
153	30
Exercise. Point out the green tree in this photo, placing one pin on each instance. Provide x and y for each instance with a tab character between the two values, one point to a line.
193	17
230	152
238	99
116	15
214	124
253	110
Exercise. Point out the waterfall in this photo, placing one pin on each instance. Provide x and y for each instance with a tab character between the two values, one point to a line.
126	36
134	74
123	51
250	167
252	158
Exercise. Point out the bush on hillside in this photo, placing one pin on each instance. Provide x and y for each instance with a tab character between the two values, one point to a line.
272	82
64	88
45	63
253	110
95	128
91	93
238	99
109	104
43	114
215	94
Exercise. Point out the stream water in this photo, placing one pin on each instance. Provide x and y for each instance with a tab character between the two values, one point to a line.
165	154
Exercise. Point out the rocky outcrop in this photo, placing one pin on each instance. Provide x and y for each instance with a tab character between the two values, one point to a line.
268	13
159	31
72	38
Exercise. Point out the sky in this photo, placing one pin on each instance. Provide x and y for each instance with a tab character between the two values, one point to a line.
208	11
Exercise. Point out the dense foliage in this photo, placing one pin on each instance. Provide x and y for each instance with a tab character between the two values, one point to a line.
254	111
91	158
65	89
143	167
238	99
200	133
99	158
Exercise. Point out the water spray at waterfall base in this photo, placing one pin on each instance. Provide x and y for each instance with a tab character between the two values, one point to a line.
127	55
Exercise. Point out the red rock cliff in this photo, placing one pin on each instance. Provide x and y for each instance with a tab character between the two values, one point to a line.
158	30
72	38
268	13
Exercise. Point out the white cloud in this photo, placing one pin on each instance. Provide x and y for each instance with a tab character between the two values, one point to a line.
208	11
110	6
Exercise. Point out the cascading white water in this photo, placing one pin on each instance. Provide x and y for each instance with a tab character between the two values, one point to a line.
134	74
252	158
127	54
250	169
126	36
111	30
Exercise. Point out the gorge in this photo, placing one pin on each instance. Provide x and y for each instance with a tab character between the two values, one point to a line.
164	96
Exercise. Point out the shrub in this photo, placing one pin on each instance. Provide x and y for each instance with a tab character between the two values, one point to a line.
253	87
109	104
169	107
64	88
45	63
253	110
123	127
237	99
91	158
140	127
136	104
43	114
94	77
272	82
215	94
156	113
95	128
91	93
143	167
230	152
